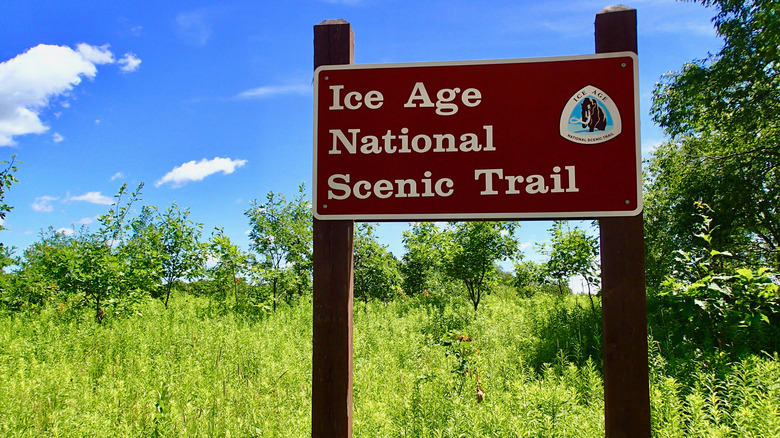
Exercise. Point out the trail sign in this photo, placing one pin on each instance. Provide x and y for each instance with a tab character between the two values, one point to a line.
518	138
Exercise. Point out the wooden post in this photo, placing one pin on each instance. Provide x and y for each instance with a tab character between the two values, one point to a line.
331	411
624	305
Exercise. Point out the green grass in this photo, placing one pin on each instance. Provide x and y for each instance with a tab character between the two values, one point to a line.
198	370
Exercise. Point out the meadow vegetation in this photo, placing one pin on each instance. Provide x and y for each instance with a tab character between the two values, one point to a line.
200	368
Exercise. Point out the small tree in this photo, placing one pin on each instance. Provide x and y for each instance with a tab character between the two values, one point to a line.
95	266
142	255
231	263
474	248
137	262
281	235
375	269
572	252
177	240
529	276
422	259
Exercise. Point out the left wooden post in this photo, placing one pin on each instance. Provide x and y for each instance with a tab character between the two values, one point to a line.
331	411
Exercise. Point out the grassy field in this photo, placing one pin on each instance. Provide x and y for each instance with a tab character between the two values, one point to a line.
198	369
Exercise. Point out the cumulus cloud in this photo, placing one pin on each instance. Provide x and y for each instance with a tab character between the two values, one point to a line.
42	204
95	54
30	81
271	91
92	198
118	175
57	138
197	171
129	63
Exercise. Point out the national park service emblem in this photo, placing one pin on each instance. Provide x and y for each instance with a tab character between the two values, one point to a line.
590	117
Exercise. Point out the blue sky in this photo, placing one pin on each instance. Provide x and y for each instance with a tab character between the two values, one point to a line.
209	103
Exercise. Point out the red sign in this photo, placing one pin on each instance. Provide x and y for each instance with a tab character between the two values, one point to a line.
535	138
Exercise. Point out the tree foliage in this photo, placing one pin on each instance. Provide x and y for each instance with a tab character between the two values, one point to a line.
230	264
572	251
721	115
733	307
177	240
529	277
281	235
472	251
423	257
376	271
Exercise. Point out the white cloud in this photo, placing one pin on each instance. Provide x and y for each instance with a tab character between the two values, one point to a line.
129	63
66	231
85	221
118	175
30	80
95	54
270	91
92	198
42	204
197	171
57	138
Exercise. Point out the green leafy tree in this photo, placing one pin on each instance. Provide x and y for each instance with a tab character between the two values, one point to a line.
138	261
177	240
472	251
721	115
736	306
45	271
423	257
529	278
376	271
231	264
281	235
83	268
143	256
572	252
96	272
78	268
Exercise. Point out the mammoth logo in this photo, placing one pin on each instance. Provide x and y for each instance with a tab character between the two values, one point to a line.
590	117
593	116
